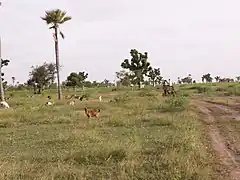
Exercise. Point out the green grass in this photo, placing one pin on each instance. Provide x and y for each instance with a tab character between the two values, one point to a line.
140	135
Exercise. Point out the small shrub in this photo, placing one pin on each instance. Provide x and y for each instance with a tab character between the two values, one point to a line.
174	104
184	94
146	94
220	89
115	123
120	98
202	89
234	91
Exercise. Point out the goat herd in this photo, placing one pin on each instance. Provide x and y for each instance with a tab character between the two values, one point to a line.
71	102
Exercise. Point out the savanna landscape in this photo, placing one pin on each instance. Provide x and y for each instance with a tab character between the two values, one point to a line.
139	135
148	127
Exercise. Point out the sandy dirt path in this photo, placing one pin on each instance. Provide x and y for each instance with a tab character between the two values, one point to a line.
212	113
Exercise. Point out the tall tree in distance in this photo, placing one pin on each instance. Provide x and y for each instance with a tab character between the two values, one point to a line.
106	82
55	18
155	76
217	78
13	80
238	78
41	76
77	79
138	65
52	71
207	77
124	78
82	77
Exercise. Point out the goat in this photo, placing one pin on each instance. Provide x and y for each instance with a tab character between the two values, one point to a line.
4	104
49	103
92	113
72	103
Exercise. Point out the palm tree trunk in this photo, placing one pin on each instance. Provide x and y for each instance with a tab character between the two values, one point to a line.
57	64
1	83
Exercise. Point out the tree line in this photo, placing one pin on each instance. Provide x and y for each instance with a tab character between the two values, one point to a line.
135	71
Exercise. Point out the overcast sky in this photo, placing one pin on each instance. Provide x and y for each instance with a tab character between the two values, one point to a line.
181	36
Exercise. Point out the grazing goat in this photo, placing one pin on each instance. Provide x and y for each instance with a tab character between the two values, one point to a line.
72	103
49	103
92	113
4	104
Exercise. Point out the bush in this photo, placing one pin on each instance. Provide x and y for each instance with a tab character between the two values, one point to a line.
146	94
202	89
174	104
234	91
120	98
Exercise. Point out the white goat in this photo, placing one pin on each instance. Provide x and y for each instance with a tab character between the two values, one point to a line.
72	103
4	104
49	103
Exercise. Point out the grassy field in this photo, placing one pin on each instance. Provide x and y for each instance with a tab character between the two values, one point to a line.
140	135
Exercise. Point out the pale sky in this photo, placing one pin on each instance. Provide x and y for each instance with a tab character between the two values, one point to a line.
181	36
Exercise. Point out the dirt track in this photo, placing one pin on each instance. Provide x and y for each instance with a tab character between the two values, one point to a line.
217	116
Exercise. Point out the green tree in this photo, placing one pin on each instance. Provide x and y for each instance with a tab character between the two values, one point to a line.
77	79
41	76
179	80
52	71
155	76
207	77
95	84
217	78
238	78
187	79
106	83
55	18
88	84
138	65
124	78
4	62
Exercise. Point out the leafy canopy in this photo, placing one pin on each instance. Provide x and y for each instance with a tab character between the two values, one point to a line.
56	17
138	65
155	75
207	77
124	78
42	75
76	79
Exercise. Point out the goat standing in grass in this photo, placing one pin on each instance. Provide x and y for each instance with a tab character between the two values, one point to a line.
72	103
4	104
49	103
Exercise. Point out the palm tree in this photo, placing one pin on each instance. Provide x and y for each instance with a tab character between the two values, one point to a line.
13	80
54	18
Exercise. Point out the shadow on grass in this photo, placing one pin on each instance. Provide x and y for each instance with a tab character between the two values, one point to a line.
97	158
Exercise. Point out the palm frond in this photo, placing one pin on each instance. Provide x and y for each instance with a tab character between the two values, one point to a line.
61	15
67	18
62	35
54	18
